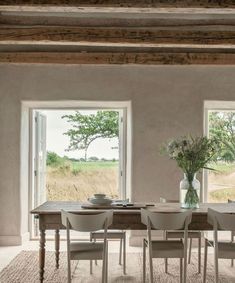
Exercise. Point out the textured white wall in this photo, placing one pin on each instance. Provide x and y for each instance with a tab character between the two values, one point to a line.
167	101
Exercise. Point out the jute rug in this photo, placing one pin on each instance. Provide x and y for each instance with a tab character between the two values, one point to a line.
24	269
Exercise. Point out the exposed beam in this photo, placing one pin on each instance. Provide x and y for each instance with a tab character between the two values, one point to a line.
114	21
111	19
85	46
120	54
184	35
100	22
88	16
126	3
120	58
108	35
96	9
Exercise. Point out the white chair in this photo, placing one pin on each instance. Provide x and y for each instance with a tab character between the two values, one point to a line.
180	235
113	235
86	250
222	249
165	248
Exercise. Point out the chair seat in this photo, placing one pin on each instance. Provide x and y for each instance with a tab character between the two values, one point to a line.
86	250
111	234
225	249
180	234
167	248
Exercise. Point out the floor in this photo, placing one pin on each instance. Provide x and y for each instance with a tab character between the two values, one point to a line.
8	253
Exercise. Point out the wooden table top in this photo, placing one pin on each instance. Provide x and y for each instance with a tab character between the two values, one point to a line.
54	207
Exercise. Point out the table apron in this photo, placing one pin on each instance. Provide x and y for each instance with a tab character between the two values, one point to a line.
121	221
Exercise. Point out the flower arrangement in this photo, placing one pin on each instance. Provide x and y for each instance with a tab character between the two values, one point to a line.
192	155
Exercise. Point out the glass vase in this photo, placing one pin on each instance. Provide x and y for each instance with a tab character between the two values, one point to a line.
190	191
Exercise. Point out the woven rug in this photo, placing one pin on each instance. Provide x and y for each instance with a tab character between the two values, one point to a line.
24	269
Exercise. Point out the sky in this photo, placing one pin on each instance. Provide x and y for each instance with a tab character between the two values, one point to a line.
57	142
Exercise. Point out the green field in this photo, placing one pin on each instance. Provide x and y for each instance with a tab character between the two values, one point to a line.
223	168
94	165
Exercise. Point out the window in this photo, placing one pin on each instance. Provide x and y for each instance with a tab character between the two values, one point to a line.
220	122
61	170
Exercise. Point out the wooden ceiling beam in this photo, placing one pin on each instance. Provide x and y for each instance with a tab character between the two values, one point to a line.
158	35
169	58
96	47
96	9
93	53
102	35
127	3
113	21
102	16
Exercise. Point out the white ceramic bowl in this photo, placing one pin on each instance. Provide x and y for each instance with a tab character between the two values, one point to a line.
100	201
99	195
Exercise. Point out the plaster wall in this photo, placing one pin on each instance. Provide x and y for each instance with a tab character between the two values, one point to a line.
167	101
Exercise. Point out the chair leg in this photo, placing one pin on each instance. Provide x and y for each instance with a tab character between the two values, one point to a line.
150	266
91	267
124	254
185	270
190	250
166	260
91	238
199	254
69	271
166	265
120	253
181	270
95	259
216	270
205	262
106	265
144	261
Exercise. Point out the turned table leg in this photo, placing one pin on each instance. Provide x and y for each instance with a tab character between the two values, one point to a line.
57	247
42	254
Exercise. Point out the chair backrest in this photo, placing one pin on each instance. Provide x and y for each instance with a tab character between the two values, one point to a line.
166	221
221	221
87	222
164	200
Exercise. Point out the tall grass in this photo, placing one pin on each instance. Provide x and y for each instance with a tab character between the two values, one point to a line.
221	182
222	195
77	181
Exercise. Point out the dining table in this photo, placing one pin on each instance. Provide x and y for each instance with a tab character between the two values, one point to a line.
124	217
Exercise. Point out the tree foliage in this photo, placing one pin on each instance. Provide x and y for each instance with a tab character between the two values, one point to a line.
53	159
87	128
222	126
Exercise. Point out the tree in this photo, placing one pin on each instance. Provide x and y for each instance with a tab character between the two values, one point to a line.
53	159
87	128
222	126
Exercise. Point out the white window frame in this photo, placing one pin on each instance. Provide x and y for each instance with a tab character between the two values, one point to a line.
212	105
125	163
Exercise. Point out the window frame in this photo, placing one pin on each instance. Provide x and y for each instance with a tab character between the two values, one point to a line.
210	106
125	164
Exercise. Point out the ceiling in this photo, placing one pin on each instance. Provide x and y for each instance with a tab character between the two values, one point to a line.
118	32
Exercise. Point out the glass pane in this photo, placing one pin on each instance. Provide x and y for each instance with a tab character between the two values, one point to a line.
82	154
221	182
